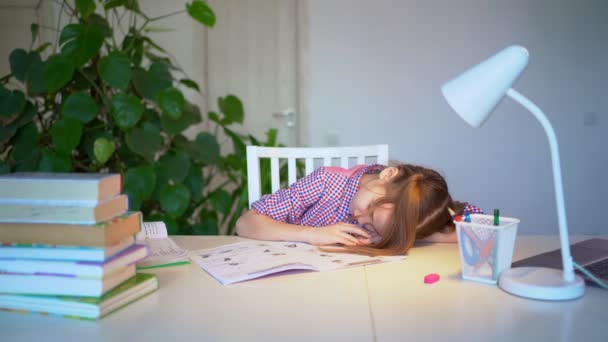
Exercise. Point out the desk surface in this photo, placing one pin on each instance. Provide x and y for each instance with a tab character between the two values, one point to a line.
386	302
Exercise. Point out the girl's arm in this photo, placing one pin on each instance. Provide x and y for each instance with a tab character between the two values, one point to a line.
261	227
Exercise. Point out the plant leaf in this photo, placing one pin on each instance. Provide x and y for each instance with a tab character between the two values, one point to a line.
221	201
101	23
232	108
140	181
239	145
34	78
191	115
80	106
173	167
85	7
109	4
11	102
171	102
34	28
26	116
103	149
208	225
52	161
205	148
88	140
149	83
80	43
20	62
115	69
126	110
145	140
24	142
57	72
174	199
6	133
190	84
194	182
65	134
201	12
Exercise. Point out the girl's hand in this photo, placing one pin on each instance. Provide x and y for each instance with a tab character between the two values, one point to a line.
343	233
372	239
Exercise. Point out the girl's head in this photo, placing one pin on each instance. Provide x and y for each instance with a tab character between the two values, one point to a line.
402	204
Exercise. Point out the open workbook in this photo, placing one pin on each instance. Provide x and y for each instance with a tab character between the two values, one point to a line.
162	251
248	260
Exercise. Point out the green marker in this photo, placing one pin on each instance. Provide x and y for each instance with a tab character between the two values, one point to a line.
496	217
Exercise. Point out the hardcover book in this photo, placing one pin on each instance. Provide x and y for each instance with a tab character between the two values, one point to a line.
102	234
60	186
70	212
58	284
60	252
89	269
90	308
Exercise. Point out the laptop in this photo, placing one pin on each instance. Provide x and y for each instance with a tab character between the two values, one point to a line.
592	254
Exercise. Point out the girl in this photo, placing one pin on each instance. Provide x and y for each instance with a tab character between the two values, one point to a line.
370	209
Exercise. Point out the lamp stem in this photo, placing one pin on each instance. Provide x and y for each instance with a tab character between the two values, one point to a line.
568	273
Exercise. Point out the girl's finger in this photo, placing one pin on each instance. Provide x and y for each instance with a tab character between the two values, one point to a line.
352	241
365	241
356	230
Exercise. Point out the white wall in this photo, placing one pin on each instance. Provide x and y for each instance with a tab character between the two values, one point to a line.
376	71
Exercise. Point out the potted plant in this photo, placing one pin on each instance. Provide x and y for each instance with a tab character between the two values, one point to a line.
93	102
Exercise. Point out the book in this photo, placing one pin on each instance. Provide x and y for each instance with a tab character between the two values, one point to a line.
102	234
89	269
55	284
92	187
90	308
162	251
253	259
60	252
70	212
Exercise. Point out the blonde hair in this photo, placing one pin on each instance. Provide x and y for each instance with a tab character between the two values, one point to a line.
421	200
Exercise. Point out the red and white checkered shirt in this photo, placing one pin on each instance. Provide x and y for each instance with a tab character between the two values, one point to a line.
320	199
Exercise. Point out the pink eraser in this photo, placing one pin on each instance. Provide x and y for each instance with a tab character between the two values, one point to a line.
431	278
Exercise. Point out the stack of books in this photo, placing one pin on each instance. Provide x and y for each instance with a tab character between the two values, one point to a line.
67	245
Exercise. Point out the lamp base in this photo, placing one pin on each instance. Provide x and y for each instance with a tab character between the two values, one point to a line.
540	283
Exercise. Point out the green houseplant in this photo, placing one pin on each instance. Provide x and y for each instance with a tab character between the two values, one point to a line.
102	102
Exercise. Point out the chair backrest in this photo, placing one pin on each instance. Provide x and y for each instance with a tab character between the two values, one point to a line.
347	156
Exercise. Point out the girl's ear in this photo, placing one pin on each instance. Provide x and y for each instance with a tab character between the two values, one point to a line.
388	173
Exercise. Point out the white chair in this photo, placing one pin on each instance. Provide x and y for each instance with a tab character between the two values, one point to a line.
347	156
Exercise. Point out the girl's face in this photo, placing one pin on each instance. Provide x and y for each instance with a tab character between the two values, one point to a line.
373	221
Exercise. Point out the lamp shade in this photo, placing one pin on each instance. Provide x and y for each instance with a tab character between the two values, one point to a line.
475	93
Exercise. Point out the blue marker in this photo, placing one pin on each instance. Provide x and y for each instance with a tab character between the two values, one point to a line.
467	217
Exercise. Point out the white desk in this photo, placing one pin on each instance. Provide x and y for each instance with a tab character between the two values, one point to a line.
387	302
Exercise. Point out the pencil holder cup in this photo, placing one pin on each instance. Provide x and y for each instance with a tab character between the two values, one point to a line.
485	249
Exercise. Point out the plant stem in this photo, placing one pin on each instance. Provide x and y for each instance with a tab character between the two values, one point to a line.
57	29
167	15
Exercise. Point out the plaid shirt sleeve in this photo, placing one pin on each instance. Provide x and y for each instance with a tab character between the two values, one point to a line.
289	205
472	209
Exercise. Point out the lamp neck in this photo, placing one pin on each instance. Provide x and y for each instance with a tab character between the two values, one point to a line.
557	180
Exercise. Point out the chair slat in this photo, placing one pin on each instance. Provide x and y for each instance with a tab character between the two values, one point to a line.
344	162
291	170
274	174
327	161
310	164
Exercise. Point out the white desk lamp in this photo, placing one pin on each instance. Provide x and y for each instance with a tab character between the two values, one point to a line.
473	95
